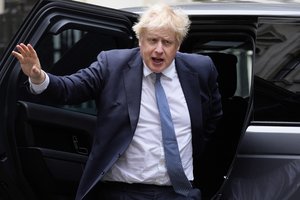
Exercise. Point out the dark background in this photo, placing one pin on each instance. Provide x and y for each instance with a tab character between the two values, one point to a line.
14	13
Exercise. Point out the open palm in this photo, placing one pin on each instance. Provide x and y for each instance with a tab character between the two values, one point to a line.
29	61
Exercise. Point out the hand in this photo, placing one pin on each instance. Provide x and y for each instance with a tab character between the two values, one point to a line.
30	63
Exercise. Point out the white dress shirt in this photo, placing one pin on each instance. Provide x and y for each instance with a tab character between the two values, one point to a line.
38	89
143	161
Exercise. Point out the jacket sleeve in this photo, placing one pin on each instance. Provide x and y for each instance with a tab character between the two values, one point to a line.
81	86
215	105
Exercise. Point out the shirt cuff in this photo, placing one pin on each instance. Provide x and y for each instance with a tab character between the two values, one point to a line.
39	88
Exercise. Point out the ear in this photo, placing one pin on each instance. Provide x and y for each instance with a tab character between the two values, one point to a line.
140	40
178	43
178	47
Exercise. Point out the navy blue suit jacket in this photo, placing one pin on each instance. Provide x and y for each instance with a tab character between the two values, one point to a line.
115	82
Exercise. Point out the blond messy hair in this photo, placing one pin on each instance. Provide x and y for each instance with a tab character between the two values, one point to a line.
163	16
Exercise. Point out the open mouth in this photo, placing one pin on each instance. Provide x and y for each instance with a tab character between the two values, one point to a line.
157	61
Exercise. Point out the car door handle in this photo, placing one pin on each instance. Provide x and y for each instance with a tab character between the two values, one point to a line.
79	149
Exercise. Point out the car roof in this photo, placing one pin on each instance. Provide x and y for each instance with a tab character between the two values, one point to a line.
238	8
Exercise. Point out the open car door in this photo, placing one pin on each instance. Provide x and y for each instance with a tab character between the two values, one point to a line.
44	147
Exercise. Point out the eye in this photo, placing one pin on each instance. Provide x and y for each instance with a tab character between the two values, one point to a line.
167	42
152	40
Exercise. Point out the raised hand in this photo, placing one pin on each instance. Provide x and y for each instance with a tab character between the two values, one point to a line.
30	63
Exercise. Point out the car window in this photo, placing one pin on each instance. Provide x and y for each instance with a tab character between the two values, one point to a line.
69	51
277	71
221	39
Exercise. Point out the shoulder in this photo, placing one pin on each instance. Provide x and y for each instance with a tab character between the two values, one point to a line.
192	57
194	62
116	60
117	54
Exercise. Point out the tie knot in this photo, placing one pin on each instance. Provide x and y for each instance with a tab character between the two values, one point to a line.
157	76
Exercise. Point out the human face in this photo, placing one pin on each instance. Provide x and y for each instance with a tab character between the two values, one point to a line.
158	48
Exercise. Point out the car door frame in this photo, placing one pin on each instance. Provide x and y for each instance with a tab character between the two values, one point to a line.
45	13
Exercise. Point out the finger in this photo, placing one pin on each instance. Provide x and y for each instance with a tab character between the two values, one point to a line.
25	49
23	45
31	49
22	49
17	55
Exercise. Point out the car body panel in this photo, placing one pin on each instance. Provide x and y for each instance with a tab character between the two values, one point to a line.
236	9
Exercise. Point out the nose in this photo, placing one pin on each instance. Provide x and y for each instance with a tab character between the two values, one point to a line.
159	47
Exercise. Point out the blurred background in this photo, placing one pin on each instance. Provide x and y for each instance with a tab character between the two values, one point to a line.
13	12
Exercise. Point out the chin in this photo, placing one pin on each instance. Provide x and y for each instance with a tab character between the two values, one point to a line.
157	69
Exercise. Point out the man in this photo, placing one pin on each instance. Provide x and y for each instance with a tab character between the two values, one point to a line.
129	157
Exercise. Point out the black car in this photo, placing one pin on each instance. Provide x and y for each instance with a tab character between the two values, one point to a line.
255	151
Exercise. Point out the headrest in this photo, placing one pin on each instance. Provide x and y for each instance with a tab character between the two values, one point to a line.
226	66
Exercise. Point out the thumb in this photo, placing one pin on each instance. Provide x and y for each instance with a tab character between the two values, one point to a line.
35	72
37	76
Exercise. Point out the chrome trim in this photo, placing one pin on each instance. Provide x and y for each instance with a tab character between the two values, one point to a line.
271	140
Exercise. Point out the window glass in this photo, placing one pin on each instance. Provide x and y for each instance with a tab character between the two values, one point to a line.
232	57
277	71
66	53
243	71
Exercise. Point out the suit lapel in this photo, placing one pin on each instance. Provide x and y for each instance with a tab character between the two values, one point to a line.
133	87
188	80
191	89
190	85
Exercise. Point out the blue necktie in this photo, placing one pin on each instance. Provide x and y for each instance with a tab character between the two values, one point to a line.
176	173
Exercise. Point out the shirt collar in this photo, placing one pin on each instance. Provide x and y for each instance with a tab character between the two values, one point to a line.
169	72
